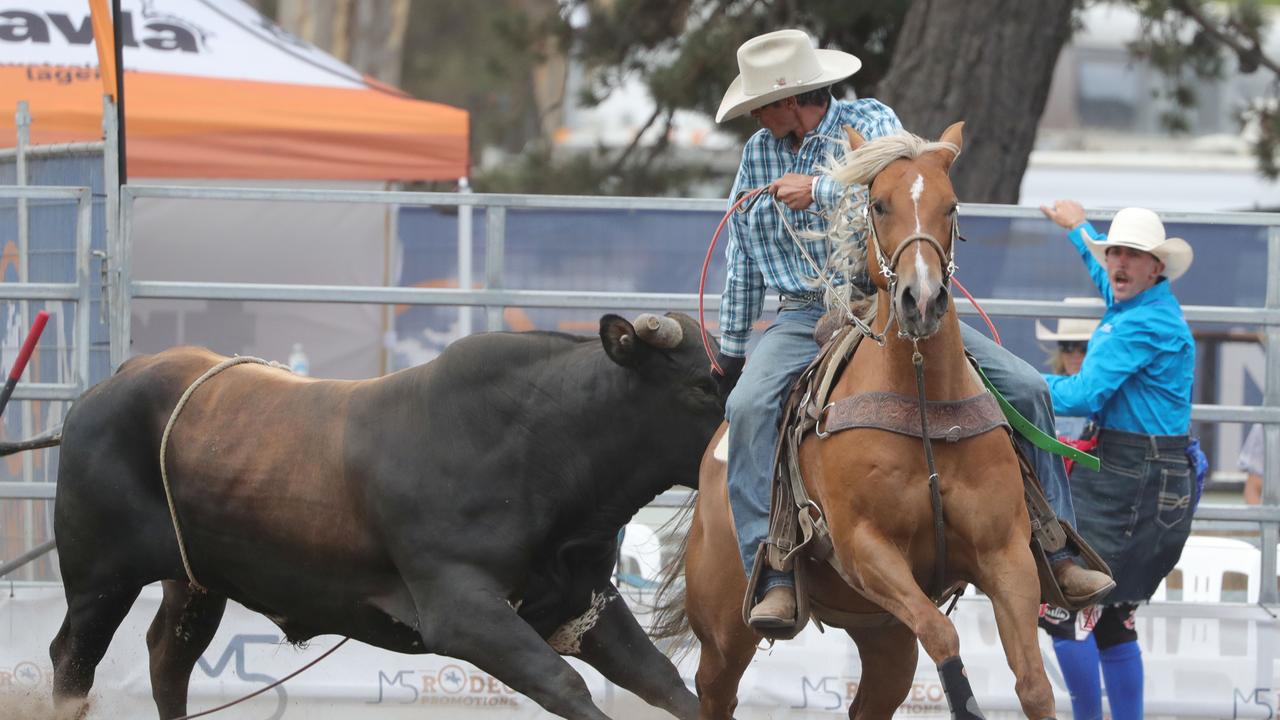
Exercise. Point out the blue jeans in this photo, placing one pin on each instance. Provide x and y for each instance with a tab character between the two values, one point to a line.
1137	508
754	411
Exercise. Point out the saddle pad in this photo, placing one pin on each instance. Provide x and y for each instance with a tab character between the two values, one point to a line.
948	420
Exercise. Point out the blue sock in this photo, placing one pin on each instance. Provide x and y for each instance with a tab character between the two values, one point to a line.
1078	660
1122	669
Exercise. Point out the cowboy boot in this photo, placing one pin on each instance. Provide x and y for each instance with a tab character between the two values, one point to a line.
1080	586
777	609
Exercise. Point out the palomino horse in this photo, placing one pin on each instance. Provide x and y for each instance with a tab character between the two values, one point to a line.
873	485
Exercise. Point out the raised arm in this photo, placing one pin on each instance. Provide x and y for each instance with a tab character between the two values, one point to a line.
1069	215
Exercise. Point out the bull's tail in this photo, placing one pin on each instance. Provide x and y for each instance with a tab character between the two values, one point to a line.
49	438
670	623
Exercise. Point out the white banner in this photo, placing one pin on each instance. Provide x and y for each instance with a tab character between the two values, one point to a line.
1196	666
213	38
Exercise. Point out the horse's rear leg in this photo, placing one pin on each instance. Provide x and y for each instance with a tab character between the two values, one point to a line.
888	657
724	657
181	631
887	580
93	615
1009	579
714	586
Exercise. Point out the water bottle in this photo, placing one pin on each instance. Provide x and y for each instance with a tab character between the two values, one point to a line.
298	361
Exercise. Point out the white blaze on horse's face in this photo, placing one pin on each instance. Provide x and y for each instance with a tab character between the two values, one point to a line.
923	192
917	189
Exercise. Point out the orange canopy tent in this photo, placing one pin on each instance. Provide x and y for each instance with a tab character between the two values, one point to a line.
214	90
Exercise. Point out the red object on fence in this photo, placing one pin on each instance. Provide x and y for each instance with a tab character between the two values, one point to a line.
20	364
29	345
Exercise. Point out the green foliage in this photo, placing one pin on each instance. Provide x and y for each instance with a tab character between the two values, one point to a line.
1185	39
483	56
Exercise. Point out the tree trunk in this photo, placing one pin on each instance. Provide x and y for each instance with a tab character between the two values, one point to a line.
368	35
989	63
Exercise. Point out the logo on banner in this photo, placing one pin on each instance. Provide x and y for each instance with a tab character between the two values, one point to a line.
23	675
834	692
449	685
157	30
235	650
1261	697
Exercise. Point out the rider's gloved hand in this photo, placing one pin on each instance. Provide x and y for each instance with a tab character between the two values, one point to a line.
732	367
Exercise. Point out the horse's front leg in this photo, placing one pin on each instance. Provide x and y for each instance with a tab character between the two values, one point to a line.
1009	578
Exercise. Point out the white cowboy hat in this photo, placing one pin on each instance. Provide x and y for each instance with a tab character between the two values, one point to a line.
1141	229
1070	329
778	65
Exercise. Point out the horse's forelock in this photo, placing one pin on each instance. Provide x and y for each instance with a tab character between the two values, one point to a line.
861	166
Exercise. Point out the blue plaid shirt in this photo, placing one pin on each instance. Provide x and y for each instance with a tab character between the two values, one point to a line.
760	253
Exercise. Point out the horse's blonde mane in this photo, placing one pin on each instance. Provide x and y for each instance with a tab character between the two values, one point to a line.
861	166
845	227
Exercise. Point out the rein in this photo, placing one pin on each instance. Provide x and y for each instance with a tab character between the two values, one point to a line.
888	270
935	491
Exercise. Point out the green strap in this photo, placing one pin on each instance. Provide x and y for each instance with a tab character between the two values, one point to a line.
1034	434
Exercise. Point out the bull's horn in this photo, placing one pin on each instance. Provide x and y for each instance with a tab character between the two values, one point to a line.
659	331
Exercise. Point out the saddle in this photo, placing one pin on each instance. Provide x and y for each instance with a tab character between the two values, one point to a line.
797	527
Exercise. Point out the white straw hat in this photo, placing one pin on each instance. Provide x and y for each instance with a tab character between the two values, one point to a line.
778	65
1141	229
1070	329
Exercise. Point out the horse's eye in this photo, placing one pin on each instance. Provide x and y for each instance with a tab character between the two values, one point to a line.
877	207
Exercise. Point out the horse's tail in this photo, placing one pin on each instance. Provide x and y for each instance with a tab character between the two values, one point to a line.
670	623
50	438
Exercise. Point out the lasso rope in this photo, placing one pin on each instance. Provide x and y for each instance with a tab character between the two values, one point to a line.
275	684
164	444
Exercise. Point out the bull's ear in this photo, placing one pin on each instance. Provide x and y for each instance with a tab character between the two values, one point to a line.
619	340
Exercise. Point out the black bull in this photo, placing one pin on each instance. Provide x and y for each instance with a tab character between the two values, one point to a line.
468	507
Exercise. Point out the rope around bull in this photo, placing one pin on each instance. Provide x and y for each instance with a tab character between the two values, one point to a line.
164	444
177	530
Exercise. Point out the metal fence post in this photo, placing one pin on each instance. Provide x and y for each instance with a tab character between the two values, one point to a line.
495	241
464	256
1269	594
84	276
122	318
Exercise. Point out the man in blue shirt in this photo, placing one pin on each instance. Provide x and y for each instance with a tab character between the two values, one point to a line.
1136	383
784	83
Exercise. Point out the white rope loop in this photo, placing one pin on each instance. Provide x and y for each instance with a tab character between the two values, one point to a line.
164	445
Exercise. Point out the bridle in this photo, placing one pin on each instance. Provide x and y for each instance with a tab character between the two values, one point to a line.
888	266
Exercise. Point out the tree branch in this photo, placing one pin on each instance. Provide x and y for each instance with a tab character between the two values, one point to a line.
1186	8
616	168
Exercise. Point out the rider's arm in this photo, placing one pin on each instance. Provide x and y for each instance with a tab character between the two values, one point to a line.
1097	272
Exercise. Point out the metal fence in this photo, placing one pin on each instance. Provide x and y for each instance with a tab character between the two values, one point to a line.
496	295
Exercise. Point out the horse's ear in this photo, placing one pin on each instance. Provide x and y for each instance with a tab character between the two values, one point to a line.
954	135
855	138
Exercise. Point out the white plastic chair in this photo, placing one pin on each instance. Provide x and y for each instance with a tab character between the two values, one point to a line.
1204	564
640	558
